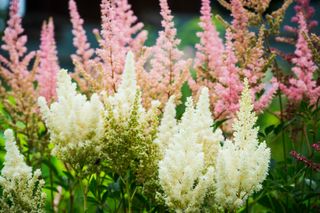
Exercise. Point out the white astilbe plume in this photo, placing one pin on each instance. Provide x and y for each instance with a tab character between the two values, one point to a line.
75	123
130	129
123	100
167	126
209	139
242	164
185	172
202	128
22	190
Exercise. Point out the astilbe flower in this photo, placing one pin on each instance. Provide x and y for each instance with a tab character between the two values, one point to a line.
49	67
255	69
209	59
75	125
314	45
130	26
242	56
15	74
130	129
84	52
309	163
304	7
229	85
22	189
258	6
101	69
242	164
168	69
186	182
276	18
302	85
240	30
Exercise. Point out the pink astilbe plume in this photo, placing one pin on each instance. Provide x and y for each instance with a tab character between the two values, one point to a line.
302	6
241	34
302	84
15	45
168	69
49	67
112	49
14	70
84	52
229	87
133	34
209	59
254	71
309	163
101	69
20	98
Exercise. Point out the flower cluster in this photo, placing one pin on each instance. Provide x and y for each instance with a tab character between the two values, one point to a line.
242	56
22	189
15	74
130	129
304	7
22	82
242	164
302	85
100	69
186	182
75	124
168	68
48	63
209	56
233	172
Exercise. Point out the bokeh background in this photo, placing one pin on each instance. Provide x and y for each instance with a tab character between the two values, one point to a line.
186	14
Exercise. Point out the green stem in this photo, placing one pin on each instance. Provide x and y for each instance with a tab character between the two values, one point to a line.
71	199
84	189
247	206
283	139
128	192
310	188
51	185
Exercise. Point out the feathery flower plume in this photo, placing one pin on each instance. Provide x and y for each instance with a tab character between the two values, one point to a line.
304	7
240	30
168	70
22	190
302	84
242	164
186	182
254	71
84	52
111	51
15	74
75	124
132	33
168	125
209	55
119	33
229	86
130	129
243	58
309	163
48	67
259	6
